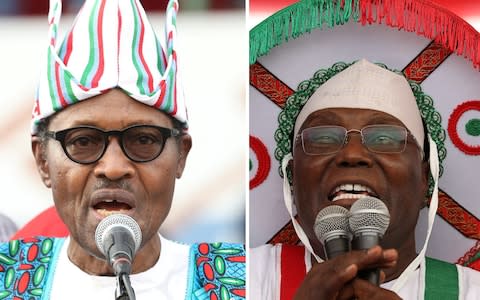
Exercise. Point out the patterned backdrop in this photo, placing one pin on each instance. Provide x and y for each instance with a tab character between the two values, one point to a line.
450	79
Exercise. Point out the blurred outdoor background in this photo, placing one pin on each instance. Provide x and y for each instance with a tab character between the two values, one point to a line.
209	201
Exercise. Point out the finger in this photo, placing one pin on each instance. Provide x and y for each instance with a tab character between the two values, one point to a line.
324	281
386	255
335	273
346	293
390	256
376	257
349	273
382	276
363	257
335	279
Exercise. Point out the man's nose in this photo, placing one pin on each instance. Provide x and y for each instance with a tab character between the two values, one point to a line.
354	153
114	164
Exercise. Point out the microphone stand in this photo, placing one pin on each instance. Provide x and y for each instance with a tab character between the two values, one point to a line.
124	289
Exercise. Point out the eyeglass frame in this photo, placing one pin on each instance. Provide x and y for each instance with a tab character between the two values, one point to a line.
61	134
360	131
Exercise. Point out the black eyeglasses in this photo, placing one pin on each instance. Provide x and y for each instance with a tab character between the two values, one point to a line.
87	144
376	138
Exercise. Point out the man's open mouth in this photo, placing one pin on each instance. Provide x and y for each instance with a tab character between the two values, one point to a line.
351	191
107	202
110	207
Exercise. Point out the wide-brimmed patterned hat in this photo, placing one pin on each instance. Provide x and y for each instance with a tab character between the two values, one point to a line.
297	49
111	45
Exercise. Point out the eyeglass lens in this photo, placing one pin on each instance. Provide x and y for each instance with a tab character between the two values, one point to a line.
377	138
140	143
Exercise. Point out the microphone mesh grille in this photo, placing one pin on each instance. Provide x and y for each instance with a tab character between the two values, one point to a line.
369	214
117	220
332	219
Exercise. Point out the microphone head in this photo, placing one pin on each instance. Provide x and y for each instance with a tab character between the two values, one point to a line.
116	222
331	222
369	215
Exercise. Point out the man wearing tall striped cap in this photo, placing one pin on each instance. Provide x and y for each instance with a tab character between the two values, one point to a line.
110	137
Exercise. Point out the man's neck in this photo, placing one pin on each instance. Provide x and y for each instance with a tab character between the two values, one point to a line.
406	254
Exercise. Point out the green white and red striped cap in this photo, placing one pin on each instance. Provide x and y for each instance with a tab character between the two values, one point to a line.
111	45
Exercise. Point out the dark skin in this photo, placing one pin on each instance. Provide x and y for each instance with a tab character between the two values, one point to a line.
147	187
400	180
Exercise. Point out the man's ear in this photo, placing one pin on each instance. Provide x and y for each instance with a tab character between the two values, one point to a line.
40	160
425	177
184	145
289	171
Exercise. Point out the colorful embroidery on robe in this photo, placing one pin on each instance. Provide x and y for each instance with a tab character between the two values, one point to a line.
220	268
24	266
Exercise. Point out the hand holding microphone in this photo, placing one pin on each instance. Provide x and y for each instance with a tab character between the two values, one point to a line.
367	221
334	278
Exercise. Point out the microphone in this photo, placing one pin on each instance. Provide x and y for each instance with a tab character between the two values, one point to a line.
331	228
369	219
118	237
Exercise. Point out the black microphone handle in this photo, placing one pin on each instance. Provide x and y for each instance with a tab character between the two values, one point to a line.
336	246
120	248
366	241
124	289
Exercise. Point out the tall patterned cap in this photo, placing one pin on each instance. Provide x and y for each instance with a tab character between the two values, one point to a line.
111	45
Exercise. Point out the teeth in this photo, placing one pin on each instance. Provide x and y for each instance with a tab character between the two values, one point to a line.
360	188
352	187
350	191
345	187
347	196
107	213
